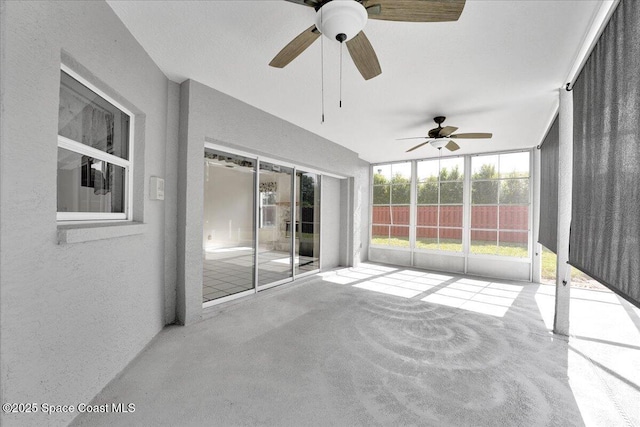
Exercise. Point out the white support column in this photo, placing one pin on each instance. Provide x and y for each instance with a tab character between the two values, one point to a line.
536	265
413	209
565	177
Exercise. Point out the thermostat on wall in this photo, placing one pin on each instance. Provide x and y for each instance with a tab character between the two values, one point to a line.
156	188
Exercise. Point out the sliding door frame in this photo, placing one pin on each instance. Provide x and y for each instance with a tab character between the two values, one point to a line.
259	158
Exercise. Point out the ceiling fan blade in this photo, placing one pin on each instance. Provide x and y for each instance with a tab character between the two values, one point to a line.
295	47
310	3
364	56
415	10
417	146
471	135
446	131
452	146
414	137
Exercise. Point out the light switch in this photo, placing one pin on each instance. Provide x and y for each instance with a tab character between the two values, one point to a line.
156	188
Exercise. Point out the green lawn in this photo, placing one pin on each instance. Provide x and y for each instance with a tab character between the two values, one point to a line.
549	268
452	245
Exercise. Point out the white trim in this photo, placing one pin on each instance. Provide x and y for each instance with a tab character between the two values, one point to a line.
90	216
91	86
84	149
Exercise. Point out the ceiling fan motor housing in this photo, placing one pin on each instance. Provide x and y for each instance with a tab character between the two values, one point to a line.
341	20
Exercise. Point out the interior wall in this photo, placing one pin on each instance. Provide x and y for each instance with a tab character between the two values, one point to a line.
74	315
228	208
209	115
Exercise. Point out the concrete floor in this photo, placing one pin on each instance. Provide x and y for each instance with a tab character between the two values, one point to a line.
382	345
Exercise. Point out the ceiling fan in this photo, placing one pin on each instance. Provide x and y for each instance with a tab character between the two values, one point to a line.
441	136
343	20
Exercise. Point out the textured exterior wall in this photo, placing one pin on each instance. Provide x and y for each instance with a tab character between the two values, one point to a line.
74	315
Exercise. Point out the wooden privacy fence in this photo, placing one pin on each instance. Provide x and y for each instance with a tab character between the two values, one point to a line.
393	221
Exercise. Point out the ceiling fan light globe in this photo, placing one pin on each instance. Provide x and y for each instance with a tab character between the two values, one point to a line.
439	143
337	17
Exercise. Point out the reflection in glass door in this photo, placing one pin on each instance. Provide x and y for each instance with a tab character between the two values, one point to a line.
275	216
307	222
261	224
228	225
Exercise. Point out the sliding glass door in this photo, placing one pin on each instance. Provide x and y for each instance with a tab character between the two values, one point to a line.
228	238
307	245
274	228
261	224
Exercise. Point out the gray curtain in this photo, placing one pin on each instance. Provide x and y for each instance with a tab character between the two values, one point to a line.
605	229
548	230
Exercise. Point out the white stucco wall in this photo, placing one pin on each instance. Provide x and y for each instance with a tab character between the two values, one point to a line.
74	315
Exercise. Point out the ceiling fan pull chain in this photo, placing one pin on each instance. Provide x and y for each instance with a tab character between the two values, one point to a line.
322	70
341	44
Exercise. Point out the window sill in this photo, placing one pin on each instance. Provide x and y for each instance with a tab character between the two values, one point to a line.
79	233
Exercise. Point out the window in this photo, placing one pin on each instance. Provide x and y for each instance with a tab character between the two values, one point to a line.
391	204
500	204
440	204
268	209
94	154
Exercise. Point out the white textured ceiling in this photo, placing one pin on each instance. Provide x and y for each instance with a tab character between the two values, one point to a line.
497	69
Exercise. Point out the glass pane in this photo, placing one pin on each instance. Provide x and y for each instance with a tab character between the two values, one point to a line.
451	192
514	244
308	214
484	242
380	235
484	167
450	239
400	215
484	217
428	193
484	192
86	117
381	215
401	172
426	238
514	165
401	194
427	215
427	170
381	194
381	174
228	235
86	184
399	236
514	191
452	169
514	217
451	216
274	249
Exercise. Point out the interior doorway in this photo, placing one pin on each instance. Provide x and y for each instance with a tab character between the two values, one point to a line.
261	224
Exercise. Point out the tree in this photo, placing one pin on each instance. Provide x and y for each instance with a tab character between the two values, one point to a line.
514	190
485	192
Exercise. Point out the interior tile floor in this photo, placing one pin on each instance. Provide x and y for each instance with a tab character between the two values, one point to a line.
228	271
387	345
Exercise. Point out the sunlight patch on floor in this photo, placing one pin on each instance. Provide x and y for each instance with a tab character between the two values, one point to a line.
478	296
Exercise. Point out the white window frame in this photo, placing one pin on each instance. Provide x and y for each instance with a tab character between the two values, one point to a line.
467	203
85	150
